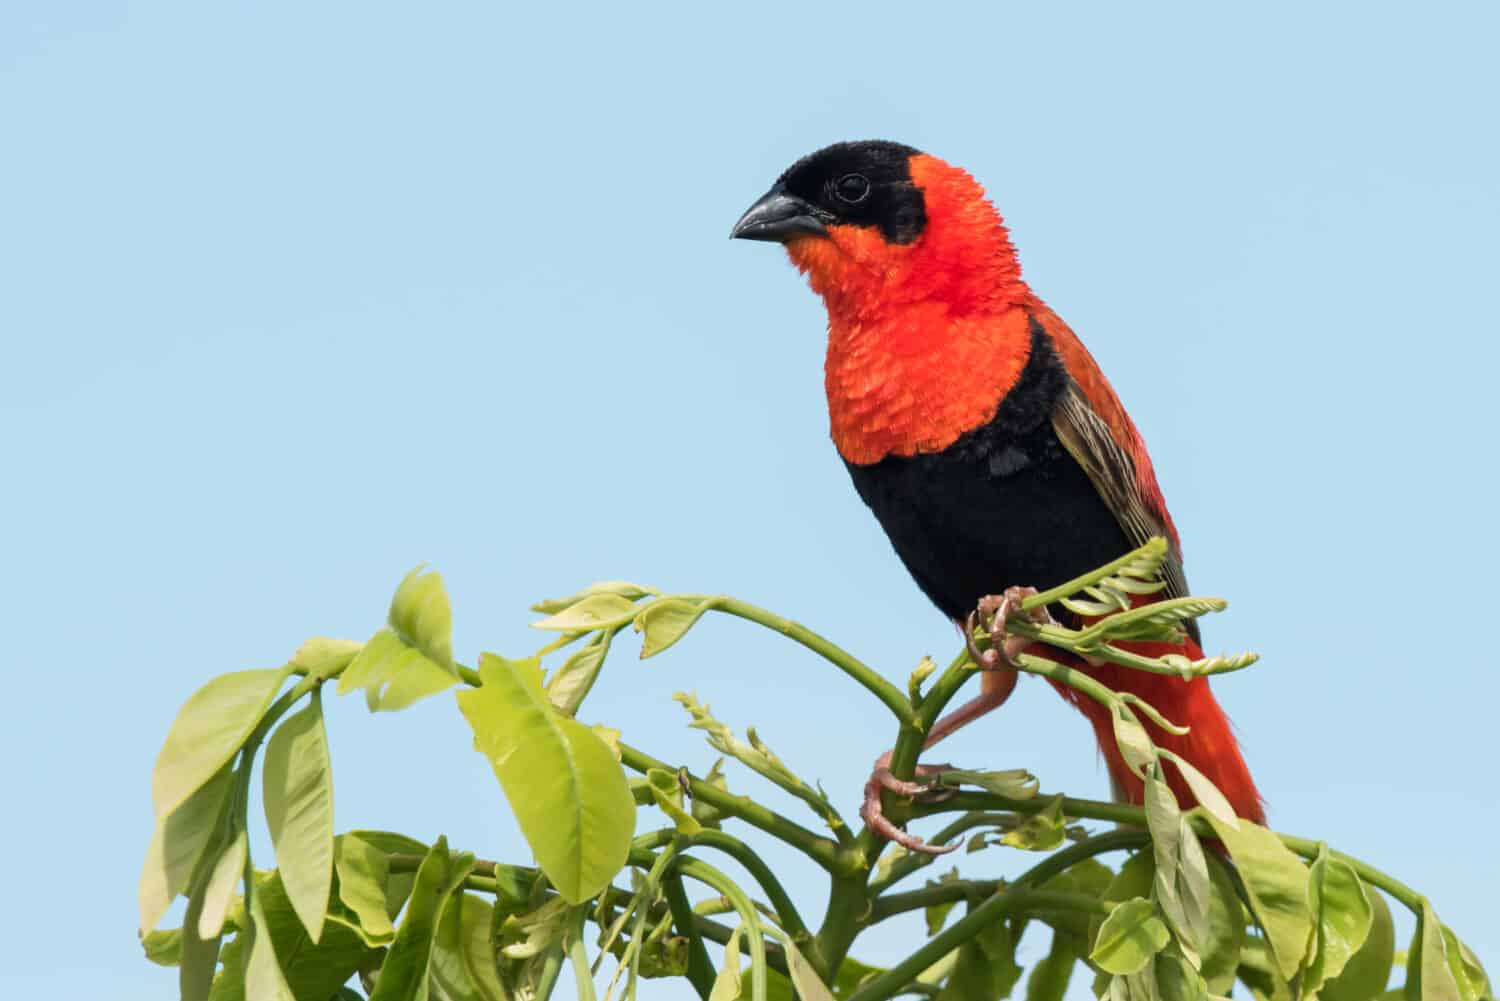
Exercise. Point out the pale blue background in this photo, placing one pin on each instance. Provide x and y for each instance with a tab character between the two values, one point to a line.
297	296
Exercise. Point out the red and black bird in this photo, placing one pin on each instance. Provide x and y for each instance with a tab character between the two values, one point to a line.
976	425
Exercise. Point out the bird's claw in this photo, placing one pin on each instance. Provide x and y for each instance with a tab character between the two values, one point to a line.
992	614
882	780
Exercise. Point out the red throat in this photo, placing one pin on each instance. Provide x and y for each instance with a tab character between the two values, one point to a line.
924	339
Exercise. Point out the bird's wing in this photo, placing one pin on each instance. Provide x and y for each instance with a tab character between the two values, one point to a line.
1095	429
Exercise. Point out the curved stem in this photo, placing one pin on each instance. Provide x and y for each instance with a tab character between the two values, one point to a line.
895	700
743	906
787	915
821	850
970	889
700	969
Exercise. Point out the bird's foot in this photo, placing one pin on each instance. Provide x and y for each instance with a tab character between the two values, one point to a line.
882	780
992	614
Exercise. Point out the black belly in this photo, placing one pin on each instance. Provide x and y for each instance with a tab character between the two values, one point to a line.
1004	505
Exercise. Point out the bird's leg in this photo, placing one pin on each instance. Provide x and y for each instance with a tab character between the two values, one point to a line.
997	687
999	681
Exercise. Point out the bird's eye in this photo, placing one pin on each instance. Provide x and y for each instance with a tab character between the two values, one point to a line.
852	188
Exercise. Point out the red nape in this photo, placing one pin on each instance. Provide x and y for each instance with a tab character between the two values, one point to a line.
1210	744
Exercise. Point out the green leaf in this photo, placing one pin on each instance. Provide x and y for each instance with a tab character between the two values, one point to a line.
397	885
1133	740
463	958
665	622
523	936
363	871
208	730
177	844
597	611
1226	923
1181	879
706	813
218	893
298	787
1040	832
164	948
804	977
403	974
621	588
309	971
937	914
1428	975
1467	970
394	674
666	790
421	617
1176	978
264	980
1129	937
568	792
986	968
570	683
727	983
1342	916
200	955
1050	976
1276	881
1369	969
1012	783
1208	795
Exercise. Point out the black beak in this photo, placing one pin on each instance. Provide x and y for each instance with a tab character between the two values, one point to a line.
778	217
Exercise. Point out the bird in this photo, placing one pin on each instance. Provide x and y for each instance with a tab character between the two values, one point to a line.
981	433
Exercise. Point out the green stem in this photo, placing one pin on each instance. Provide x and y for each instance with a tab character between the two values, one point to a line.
744	907
700	968
894	980
974	889
821	850
895	700
551	968
787	915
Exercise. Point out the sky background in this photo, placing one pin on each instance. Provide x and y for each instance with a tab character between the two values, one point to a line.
294	297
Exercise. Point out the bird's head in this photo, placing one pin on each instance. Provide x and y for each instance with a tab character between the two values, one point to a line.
877	225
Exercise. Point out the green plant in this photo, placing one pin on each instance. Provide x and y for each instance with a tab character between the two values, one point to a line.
1284	916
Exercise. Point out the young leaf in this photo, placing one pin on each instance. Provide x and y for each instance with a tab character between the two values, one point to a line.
665	622
394	674
208	730
177	844
1226	930
986	968
1177	978
264	980
937	914
1181	879
1012	783
421	617
164	948
1467	970
1342	916
1369	969
666	790
570	683
597	611
1134	743
403	974
568	792
218	893
1129	937
1276	881
1208	795
463	960
1051	974
298	788
804	977
727	983
1428	975
622	588
321	656
195	977
363	870
1040	832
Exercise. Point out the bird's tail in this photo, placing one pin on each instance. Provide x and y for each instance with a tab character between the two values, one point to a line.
1209	745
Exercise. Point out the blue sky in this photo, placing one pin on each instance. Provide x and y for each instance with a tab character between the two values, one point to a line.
295	297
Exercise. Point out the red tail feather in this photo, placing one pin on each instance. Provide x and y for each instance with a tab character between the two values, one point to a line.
1210	744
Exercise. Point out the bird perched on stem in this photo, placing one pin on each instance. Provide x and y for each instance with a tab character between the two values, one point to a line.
979	430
